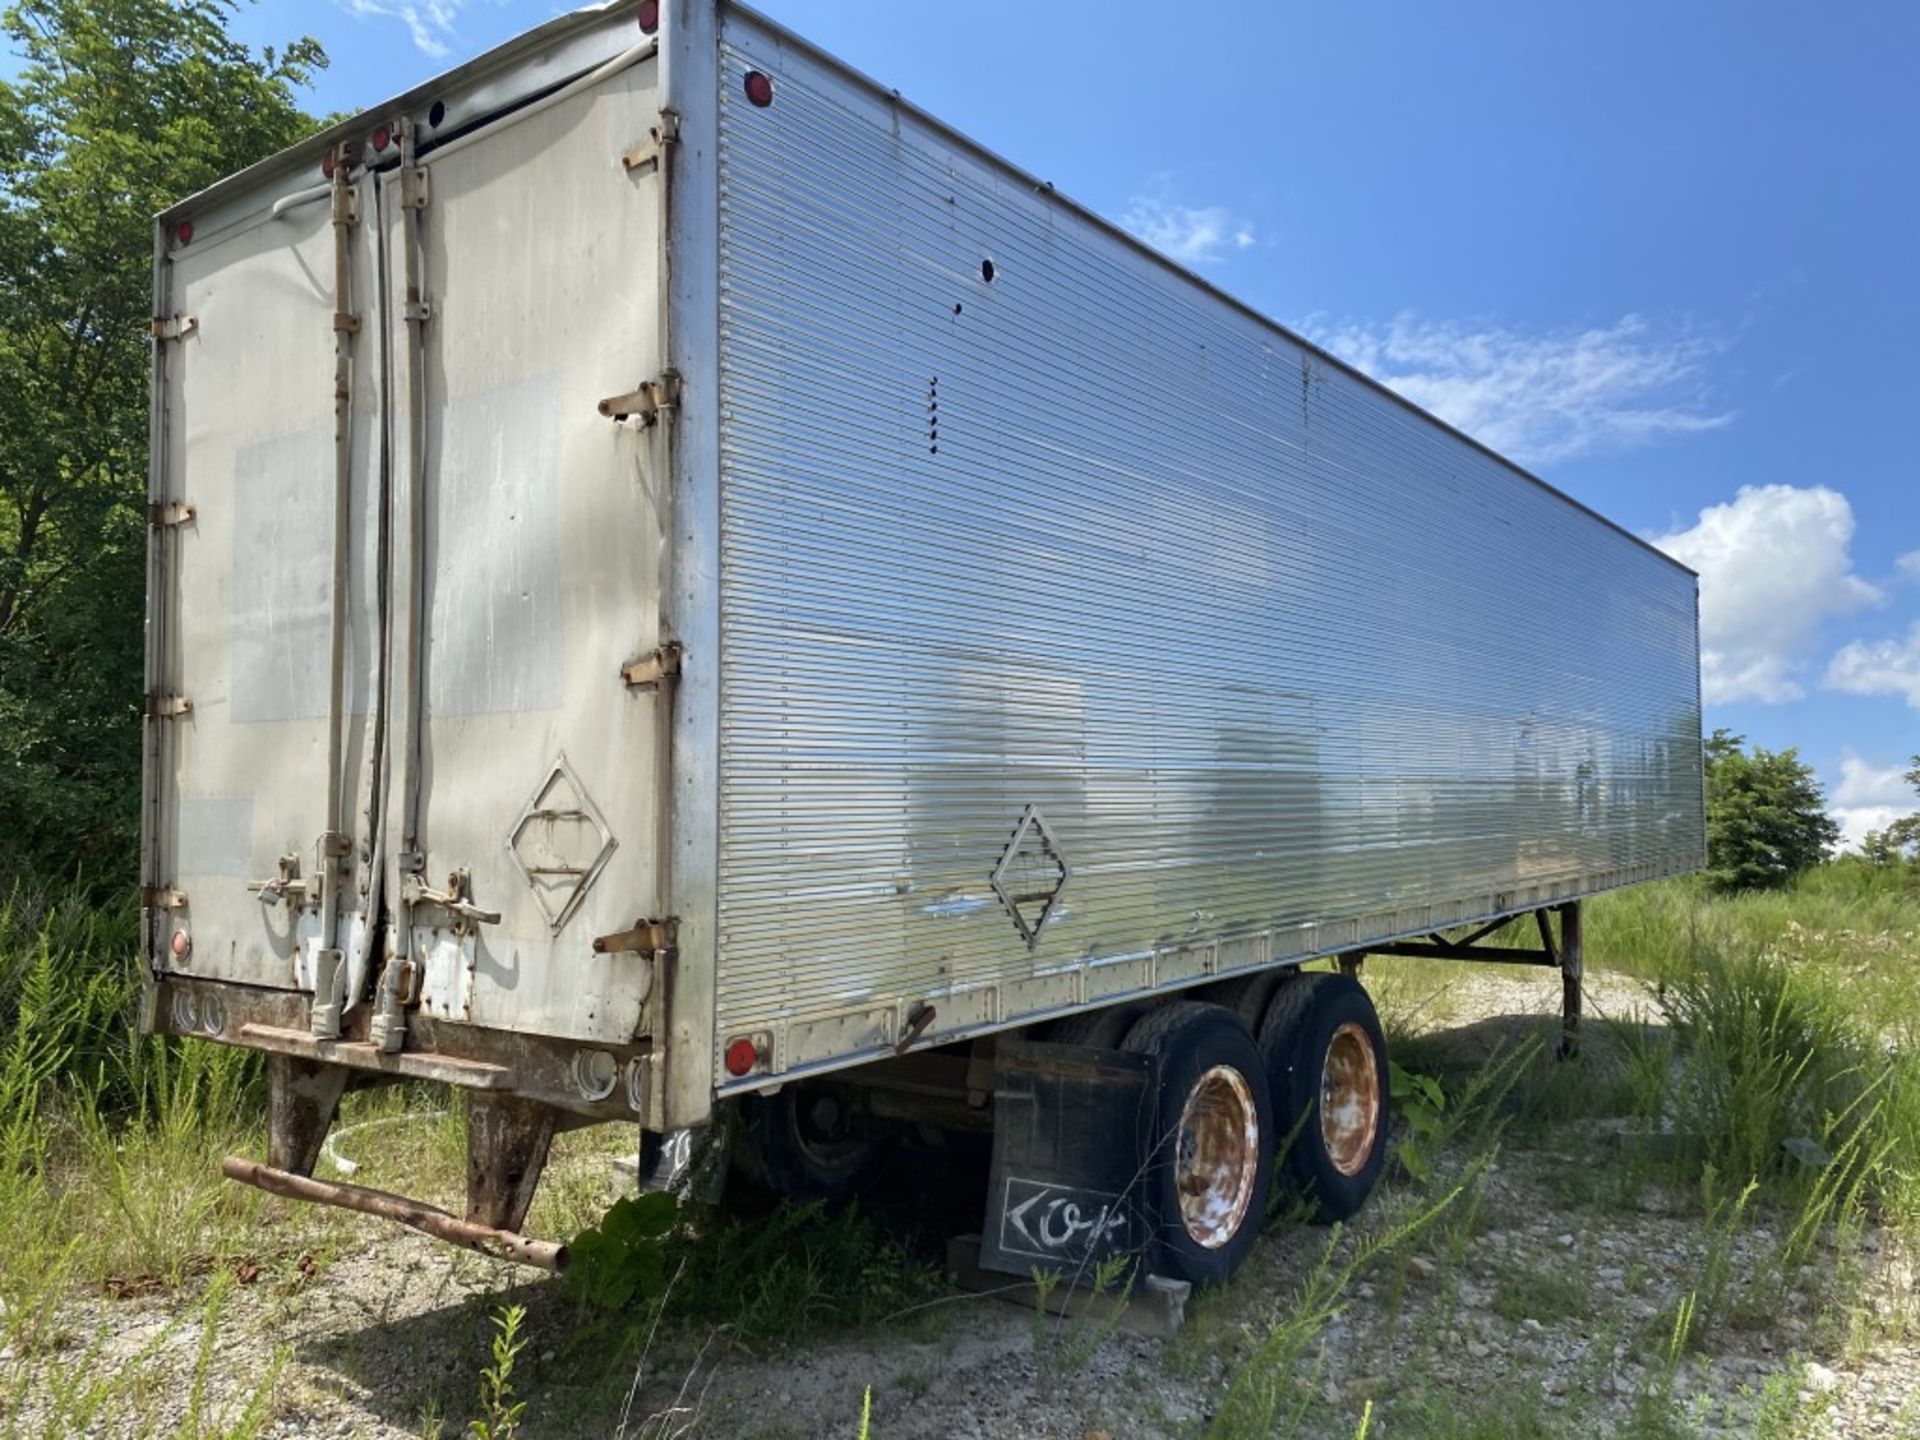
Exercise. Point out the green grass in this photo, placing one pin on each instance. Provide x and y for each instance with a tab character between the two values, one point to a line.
1766	1080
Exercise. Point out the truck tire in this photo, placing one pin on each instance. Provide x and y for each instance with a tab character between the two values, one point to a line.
806	1142
1327	1067
1247	996
1102	1029
1209	1153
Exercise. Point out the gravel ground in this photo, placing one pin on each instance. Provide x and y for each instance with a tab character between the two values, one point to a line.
1537	1310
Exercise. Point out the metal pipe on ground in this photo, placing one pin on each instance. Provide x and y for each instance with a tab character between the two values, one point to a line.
428	1219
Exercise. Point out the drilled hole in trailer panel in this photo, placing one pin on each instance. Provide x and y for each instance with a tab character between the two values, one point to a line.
986	271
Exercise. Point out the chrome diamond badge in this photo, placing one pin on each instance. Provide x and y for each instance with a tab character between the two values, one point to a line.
1030	876
560	843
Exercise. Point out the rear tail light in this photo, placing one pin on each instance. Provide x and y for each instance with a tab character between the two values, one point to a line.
183	233
743	1056
759	88
382	137
649	16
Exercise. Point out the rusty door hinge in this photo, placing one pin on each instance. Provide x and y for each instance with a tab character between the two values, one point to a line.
161	706
174	327
415	191
647	937
163	897
645	156
651	669
162	513
647	400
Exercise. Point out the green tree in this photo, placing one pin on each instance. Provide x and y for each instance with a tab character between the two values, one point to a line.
121	107
1766	815
1901	838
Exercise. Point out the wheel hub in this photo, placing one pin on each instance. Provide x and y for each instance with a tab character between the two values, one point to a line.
1218	1156
1349	1099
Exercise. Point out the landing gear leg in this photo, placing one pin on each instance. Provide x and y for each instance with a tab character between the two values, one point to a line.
302	1096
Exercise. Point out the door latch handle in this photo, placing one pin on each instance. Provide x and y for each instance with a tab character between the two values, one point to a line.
457	898
287	885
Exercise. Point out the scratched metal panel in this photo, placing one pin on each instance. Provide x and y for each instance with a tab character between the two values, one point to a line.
539	770
242	596
1016	514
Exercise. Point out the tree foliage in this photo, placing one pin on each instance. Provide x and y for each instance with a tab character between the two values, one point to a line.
1766	815
1901	839
121	107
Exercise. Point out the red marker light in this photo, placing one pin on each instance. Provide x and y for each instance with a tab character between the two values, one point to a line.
742	1056
759	88
649	15
181	944
326	164
183	232
382	136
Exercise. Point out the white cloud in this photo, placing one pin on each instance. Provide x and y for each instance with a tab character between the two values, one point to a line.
1869	797
1774	565
430	24
1540	398
1864	783
1908	565
1192	234
1879	667
1856	820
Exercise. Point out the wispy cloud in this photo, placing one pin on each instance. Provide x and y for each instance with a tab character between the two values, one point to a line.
1540	397
430	24
1775	564
1192	234
1879	667
1908	565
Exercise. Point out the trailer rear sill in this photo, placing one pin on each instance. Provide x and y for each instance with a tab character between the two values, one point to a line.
410	1064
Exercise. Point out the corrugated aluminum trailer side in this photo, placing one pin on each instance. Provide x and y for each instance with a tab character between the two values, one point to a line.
1085	634
675	574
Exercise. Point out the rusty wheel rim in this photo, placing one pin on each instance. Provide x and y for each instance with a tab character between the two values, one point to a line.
1218	1157
1349	1099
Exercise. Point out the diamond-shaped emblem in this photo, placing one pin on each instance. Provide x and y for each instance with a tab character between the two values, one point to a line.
1030	876
561	843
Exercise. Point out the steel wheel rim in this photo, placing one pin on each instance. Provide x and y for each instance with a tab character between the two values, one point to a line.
828	1143
1218	1156
1349	1099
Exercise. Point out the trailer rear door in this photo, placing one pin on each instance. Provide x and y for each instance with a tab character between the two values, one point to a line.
246	553
525	269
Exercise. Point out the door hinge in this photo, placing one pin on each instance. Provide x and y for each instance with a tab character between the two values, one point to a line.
163	897
645	156
165	706
174	327
163	513
647	937
651	669
415	191
647	400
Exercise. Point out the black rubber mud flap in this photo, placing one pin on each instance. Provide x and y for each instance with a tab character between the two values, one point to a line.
1065	1190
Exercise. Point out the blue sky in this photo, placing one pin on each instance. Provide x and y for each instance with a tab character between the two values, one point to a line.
1664	254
